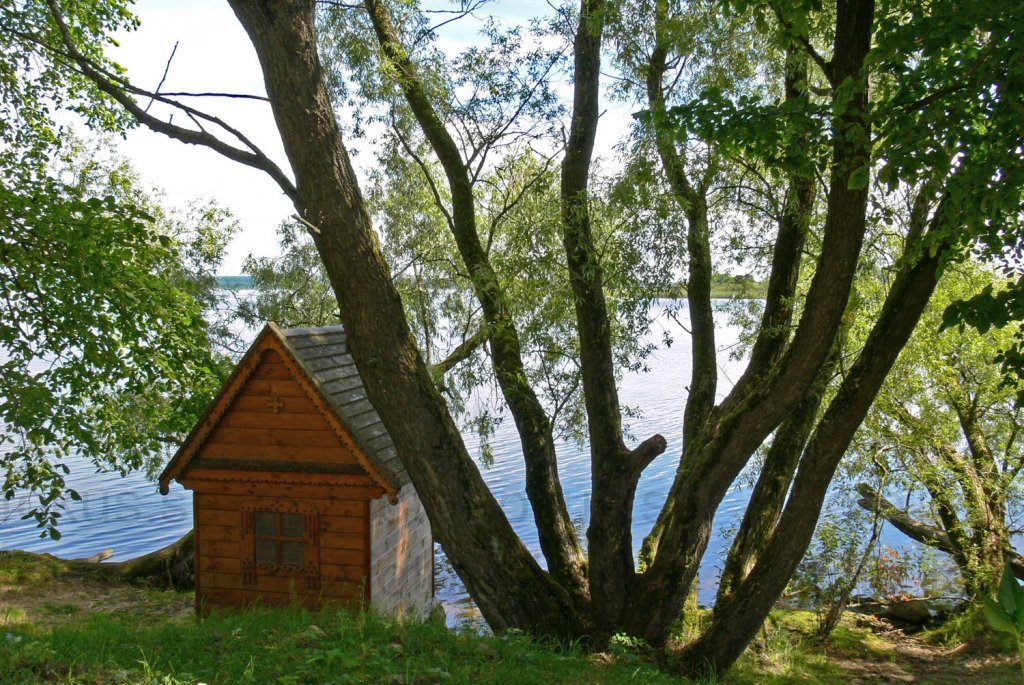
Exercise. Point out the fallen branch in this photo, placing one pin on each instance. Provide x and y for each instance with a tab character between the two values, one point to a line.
930	535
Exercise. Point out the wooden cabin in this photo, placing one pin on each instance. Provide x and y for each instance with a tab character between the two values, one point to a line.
299	494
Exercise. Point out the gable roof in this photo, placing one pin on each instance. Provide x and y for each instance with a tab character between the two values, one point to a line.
321	362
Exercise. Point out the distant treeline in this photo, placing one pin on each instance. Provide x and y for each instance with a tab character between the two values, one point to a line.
726	286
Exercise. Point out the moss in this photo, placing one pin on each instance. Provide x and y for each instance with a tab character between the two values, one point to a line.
23	568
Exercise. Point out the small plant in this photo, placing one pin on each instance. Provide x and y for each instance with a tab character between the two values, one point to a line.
1007	614
627	649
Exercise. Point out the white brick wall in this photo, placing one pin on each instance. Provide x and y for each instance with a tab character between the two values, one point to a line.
401	556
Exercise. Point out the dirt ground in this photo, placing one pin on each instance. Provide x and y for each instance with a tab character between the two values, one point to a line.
908	658
67	596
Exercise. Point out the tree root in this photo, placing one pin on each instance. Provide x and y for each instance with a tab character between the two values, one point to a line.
170	567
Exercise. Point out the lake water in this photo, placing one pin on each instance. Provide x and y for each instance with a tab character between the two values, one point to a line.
128	515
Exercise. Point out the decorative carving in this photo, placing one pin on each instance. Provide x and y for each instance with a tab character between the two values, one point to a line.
248	548
275	404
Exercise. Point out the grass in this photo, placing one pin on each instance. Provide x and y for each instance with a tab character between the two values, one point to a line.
784	651
59	627
19	568
289	646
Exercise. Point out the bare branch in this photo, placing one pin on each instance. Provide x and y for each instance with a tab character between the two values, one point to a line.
426	175
167	68
119	89
236	96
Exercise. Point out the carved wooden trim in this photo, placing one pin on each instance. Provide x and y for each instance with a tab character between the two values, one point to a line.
310	570
280	477
247	547
312	566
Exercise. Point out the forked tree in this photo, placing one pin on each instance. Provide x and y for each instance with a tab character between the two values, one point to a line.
877	97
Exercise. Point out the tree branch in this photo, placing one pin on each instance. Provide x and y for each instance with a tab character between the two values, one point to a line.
826	66
933	536
167	68
557	534
462	352
116	88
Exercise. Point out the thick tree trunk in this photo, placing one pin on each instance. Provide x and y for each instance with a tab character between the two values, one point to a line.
735	429
780	464
769	494
692	200
508	585
615	469
736	621
558	540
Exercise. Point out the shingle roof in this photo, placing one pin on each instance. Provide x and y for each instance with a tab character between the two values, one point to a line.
324	356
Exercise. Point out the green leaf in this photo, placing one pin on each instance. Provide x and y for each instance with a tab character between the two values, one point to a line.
1009	593
997	618
858	179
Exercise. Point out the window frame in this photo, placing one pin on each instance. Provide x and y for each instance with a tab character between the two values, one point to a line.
253	570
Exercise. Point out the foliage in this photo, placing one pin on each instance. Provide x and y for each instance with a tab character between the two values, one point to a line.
290	289
802	119
947	423
999	304
1005	613
104	350
834	565
499	98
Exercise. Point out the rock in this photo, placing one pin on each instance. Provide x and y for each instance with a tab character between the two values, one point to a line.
913	611
436	616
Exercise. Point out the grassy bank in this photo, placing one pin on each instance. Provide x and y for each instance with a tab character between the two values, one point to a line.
62	627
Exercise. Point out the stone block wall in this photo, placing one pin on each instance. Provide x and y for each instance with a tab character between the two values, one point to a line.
401	556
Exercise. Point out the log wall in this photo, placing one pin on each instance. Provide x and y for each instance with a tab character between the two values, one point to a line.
343	534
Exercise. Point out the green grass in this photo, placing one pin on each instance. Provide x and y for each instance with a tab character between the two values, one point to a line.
19	568
784	651
58	627
291	646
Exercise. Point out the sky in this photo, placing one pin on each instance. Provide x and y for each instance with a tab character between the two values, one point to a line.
214	55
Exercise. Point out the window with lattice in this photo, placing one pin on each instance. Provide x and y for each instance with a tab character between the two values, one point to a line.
280	537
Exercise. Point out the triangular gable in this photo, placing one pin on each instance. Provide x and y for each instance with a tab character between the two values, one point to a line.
269	339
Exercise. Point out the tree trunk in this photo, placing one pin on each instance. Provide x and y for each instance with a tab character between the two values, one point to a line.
558	540
508	585
935	537
616	470
776	475
773	483
736	621
735	429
